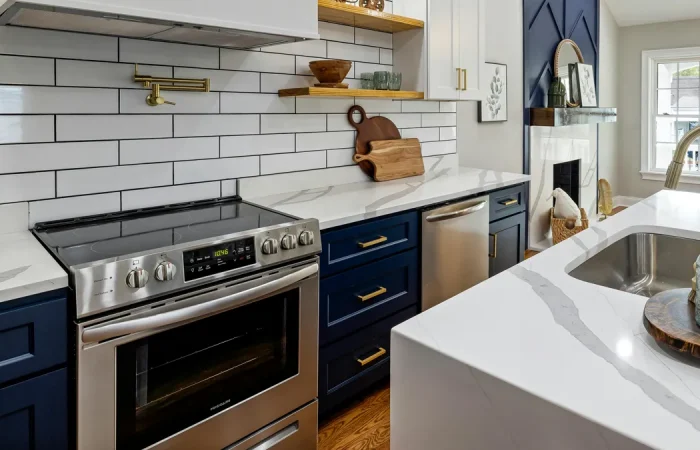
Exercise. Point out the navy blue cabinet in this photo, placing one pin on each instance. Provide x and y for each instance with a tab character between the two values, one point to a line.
508	217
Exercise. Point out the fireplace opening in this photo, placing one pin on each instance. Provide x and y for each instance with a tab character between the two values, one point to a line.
567	176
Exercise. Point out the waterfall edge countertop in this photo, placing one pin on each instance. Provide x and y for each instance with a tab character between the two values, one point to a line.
533	340
26	268
348	203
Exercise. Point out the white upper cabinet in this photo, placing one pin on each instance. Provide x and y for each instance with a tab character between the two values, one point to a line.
472	46
225	23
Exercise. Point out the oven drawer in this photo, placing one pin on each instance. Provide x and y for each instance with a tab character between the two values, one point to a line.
32	338
358	244
356	298
507	202
296	431
352	364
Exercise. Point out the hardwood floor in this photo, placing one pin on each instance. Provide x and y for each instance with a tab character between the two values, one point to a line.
361	426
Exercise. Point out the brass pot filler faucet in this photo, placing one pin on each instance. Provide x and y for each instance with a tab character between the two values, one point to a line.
173	84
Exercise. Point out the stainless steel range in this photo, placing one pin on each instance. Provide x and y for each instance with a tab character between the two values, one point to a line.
196	326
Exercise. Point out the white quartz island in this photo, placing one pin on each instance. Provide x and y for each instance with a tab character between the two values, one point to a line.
535	359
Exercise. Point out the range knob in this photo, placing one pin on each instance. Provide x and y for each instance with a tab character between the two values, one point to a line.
289	241
165	271
270	246
137	278
306	238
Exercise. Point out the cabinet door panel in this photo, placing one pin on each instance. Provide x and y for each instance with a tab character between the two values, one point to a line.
443	50
472	49
507	247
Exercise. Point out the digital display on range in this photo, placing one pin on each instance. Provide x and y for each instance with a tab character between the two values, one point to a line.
207	261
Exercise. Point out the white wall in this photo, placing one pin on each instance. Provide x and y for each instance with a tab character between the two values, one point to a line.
634	40
608	137
497	146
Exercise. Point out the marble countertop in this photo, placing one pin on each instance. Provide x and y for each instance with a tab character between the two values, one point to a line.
576	345
26	268
344	204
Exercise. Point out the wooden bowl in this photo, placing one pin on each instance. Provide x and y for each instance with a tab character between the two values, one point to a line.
331	71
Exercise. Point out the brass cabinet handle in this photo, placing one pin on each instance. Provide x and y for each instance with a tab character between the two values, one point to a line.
494	255
510	202
379	354
459	79
377	241
464	71
377	293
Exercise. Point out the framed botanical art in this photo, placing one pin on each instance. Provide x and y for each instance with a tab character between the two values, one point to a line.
495	107
586	85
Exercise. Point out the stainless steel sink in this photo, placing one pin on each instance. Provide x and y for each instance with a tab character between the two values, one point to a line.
643	264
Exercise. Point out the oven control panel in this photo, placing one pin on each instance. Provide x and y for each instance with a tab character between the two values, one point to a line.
219	258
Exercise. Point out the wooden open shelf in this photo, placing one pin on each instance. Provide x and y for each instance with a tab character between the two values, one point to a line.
563	117
356	16
334	92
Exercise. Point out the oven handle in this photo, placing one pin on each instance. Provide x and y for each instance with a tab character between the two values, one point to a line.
193	312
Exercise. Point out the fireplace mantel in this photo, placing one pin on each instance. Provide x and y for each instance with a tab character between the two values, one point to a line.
563	117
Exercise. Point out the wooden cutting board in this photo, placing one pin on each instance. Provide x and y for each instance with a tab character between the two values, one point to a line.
393	159
368	130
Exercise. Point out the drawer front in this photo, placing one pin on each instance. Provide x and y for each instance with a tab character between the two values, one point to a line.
32	338
359	297
34	413
356	362
355	245
507	202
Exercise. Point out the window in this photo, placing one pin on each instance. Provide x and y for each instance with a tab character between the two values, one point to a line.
670	108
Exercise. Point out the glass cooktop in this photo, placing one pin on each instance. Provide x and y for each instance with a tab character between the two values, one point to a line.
96	238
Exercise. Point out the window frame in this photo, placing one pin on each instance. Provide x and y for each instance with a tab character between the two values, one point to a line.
650	60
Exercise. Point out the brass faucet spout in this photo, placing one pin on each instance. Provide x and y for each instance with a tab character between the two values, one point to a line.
675	169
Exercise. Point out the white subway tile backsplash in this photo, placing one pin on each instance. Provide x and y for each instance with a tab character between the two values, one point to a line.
169	54
422	134
223	80
134	102
256	103
386	56
17	129
161	150
66	208
14	217
404	120
265	144
216	169
438	148
448	133
146	198
361	68
373	38
380	105
54	156
341	157
56	44
304	48
309	180
19	70
420	107
352	52
440	120
216	125
274	82
323	105
57	100
27	186
256	61
389	7
448	107
109	179
335	32
104	74
292	123
107	127
229	188
292	162
339	122
324	141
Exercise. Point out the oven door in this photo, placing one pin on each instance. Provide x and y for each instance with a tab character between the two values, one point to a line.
202	370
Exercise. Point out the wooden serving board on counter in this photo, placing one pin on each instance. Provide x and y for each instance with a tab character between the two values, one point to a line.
394	159
368	130
670	319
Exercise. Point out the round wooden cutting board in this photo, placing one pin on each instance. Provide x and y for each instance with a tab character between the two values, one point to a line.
670	319
368	130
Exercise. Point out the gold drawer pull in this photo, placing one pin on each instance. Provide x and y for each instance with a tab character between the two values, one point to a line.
379	354
494	255
465	79
377	241
377	293
509	202
459	79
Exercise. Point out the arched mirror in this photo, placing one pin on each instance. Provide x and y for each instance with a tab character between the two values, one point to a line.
568	53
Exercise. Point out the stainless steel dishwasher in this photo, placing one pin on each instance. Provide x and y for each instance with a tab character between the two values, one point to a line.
455	249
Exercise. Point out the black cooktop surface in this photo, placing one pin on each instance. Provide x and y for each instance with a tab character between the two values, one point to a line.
95	238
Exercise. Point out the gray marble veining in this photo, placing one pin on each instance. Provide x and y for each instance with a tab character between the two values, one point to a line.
12	273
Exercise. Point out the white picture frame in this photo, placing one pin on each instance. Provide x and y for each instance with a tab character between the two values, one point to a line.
586	85
495	107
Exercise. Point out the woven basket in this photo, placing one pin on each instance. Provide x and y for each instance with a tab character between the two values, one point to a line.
559	230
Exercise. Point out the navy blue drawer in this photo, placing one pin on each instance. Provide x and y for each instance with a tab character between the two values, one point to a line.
506	202
342	375
355	245
34	413
356	298
32	338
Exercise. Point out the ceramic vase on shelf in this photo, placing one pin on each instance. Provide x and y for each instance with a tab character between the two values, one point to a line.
557	94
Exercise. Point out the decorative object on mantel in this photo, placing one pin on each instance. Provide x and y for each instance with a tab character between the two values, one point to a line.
567	53
605	198
586	85
368	130
495	107
394	159
557	94
172	84
330	73
563	117
670	319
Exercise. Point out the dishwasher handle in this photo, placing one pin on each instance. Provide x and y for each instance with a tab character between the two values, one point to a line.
455	214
